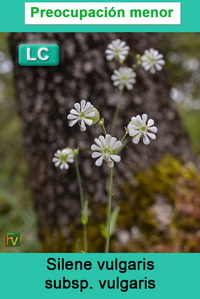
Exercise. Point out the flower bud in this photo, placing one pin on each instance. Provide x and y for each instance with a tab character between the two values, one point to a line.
101	122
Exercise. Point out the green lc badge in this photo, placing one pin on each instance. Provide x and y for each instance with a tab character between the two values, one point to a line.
38	55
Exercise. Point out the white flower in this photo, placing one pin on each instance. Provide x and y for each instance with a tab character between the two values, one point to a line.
106	149
124	77
63	157
84	113
140	128
118	50
152	60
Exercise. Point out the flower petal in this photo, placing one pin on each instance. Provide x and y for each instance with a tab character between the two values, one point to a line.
146	140
151	135
112	142
153	129
96	155
71	116
116	158
73	111
90	114
83	104
99	161
94	147
73	122
57	163
98	142
117	145
144	118
107	139
77	107
88	121
136	139
150	122
102	140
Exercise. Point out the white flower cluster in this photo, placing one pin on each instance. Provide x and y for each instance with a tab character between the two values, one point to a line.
117	50
106	149
139	128
63	157
152	61
84	114
124	77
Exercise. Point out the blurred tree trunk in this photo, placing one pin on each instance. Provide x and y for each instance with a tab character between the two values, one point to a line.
45	96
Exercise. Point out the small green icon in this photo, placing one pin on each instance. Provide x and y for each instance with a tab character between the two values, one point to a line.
38	55
12	239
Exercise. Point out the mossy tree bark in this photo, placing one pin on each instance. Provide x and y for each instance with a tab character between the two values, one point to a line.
45	96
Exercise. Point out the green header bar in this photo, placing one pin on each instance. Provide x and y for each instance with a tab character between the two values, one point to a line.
12	19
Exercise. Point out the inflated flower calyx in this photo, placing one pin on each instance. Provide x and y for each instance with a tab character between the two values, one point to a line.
96	117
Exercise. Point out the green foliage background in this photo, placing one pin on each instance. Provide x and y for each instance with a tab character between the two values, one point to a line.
16	205
182	53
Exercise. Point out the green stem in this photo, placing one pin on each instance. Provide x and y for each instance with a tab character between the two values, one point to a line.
79	182
85	237
135	66
101	123
109	209
104	129
125	142
82	202
124	137
116	114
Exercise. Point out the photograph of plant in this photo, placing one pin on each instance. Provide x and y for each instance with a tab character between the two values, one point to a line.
108	158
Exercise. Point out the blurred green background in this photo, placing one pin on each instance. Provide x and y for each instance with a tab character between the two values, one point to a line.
182	54
16	205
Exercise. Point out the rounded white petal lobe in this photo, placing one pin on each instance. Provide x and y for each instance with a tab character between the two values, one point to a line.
108	139
153	129
88	121
98	142
96	155
146	140
73	111
99	161
57	163
73	122
71	116
102	139
117	145
144	118
136	139
112	142
95	147
150	122
151	135
77	107
116	158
